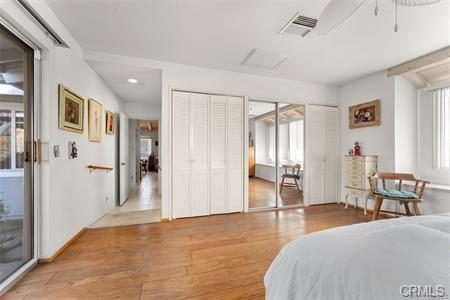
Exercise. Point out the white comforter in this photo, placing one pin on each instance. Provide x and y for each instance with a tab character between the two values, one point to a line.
364	261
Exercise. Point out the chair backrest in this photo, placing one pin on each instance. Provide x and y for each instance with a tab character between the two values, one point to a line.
400	177
295	169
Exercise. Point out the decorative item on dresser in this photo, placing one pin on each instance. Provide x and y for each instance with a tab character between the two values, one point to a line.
357	171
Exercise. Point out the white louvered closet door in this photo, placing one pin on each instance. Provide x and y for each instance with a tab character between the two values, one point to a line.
218	152
323	154
331	155
180	155
199	111
235	140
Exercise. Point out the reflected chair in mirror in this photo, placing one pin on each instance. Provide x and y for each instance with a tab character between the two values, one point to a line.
405	197
290	177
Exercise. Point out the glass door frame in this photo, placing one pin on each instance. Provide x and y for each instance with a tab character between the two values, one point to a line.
34	177
277	103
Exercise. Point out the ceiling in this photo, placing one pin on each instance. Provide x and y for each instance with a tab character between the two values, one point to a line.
220	34
146	90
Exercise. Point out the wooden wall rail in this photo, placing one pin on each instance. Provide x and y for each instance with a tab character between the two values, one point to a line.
92	168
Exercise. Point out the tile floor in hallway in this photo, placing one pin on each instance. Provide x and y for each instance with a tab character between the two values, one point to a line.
143	206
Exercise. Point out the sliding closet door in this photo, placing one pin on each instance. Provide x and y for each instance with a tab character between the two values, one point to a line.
323	154
180	155
199	154
235	140
218	146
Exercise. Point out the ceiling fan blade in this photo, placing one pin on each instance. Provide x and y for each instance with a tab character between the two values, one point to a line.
415	2
335	13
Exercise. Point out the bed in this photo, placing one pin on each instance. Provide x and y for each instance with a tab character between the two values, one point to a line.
377	260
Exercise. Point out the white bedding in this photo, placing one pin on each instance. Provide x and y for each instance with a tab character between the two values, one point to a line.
364	261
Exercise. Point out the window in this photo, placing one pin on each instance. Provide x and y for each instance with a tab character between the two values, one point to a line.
296	141
272	144
11	139
5	139
146	148
441	128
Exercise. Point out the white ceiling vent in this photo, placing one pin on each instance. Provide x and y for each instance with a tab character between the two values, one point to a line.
263	59
299	25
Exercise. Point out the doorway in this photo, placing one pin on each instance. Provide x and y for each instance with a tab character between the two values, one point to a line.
276	154
17	232
141	201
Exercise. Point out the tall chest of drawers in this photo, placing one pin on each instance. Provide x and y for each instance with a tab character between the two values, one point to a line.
357	171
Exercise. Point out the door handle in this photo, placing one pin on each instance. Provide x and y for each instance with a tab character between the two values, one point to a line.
123	164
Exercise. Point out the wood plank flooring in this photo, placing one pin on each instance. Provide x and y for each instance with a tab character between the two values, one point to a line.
261	194
216	257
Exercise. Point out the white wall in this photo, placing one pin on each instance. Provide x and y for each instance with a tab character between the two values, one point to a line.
71	197
142	111
211	80
406	127
376	140
403	142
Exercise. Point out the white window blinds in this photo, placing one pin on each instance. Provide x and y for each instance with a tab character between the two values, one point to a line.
441	128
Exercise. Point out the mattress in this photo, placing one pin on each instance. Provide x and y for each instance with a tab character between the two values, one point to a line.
386	259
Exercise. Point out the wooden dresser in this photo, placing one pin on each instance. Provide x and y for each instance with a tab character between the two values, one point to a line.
357	171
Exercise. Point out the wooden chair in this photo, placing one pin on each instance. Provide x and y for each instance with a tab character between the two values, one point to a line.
379	195
290	172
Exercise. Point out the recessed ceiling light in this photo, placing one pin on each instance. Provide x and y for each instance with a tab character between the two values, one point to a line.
132	80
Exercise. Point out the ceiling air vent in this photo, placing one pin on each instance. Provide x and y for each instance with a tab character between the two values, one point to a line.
299	25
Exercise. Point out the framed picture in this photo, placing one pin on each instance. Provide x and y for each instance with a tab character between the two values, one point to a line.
365	114
110	122
71	110
95	121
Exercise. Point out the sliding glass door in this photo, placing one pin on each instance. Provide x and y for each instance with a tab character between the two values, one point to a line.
16	204
276	154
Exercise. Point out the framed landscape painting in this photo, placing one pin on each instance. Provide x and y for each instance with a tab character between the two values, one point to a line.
365	114
110	122
71	110
95	121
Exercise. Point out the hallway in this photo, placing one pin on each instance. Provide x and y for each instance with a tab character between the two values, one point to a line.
143	206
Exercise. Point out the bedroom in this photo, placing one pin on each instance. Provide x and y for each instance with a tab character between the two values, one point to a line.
209	242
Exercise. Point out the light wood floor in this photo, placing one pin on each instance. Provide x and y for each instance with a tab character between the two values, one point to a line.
261	194
216	257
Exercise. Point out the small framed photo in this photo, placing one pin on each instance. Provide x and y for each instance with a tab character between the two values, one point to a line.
95	121
110	122
71	110
365	114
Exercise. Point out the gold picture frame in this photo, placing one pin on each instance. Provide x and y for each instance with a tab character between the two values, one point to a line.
365	114
70	110
95	111
110	125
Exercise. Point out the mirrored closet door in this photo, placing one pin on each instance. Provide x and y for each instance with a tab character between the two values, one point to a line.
276	154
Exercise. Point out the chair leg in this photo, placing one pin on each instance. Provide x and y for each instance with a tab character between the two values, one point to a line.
376	209
296	183
406	205
416	209
281	185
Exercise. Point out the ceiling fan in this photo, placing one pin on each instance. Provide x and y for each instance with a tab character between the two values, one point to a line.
337	11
